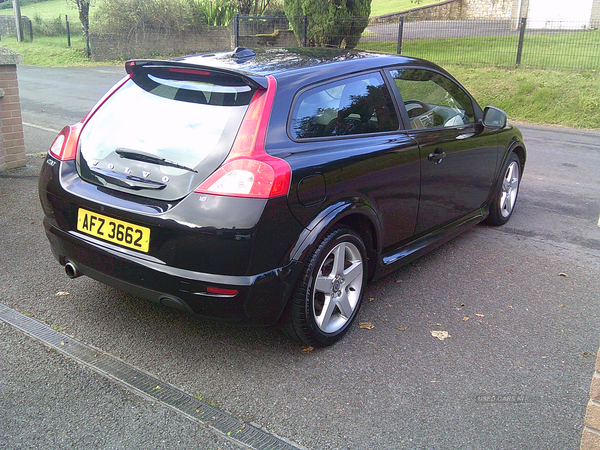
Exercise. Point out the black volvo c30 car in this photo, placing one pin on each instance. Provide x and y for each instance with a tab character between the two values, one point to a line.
270	187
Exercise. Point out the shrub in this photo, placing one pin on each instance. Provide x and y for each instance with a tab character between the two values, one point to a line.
129	16
214	13
330	23
49	27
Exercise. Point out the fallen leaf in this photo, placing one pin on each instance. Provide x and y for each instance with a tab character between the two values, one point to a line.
401	328
441	335
366	326
480	315
510	306
465	319
308	349
61	293
398	281
462	304
563	275
371	299
62	342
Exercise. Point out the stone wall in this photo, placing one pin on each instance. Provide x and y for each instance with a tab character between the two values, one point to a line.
487	9
449	9
163	45
12	143
458	9
591	432
106	47
8	26
279	38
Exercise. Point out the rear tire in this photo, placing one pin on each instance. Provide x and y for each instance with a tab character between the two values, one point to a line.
328	294
503	203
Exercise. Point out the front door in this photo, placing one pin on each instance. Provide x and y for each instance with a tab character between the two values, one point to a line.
457	158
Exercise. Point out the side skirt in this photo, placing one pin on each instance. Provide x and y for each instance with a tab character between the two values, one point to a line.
407	253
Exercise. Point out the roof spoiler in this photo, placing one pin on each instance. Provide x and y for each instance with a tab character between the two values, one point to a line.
257	82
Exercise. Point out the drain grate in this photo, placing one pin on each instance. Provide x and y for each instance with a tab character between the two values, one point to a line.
147	385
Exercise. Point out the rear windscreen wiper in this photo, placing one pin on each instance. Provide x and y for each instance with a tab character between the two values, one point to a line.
145	157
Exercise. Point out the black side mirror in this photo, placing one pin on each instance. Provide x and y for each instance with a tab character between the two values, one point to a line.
494	118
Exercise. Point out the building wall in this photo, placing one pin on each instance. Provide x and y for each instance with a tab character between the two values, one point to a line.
12	143
596	13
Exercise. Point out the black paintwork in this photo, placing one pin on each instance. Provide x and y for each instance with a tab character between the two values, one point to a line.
385	186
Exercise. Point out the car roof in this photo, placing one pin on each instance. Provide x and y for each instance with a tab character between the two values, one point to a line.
283	62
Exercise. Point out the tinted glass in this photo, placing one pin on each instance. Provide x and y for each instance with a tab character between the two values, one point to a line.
432	100
163	132
357	105
175	118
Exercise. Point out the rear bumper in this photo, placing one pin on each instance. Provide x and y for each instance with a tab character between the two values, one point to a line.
260	298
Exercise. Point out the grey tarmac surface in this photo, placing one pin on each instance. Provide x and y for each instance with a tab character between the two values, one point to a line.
515	375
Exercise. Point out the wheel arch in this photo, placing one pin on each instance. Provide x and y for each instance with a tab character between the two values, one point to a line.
357	216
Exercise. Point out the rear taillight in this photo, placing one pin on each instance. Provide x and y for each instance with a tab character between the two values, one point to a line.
64	146
249	171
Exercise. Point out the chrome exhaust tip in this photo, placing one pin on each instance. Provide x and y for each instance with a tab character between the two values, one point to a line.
71	270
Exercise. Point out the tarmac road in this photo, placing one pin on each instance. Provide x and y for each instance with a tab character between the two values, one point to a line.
515	375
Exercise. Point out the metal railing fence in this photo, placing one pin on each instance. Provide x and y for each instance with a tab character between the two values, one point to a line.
496	43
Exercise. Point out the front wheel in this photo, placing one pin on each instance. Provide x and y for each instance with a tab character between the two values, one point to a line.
329	292
504	201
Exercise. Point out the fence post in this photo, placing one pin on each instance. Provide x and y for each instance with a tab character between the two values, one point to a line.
31	30
521	39
400	33
304	29
68	31
236	30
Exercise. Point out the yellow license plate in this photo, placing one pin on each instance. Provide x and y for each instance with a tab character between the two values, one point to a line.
113	230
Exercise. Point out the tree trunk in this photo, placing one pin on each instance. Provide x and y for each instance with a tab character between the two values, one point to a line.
84	17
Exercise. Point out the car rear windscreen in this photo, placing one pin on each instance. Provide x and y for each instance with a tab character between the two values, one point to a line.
167	125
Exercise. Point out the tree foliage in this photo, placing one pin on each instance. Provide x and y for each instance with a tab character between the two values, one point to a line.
330	23
170	16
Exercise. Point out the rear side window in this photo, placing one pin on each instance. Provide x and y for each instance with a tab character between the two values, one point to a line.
356	105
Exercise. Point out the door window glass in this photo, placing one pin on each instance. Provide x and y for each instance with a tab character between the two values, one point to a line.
356	105
433	100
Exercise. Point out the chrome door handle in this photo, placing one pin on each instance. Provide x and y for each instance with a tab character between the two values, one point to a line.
437	156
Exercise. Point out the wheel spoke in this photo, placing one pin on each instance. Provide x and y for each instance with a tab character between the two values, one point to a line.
325	317
509	173
324	284
344	306
509	202
355	270
339	254
503	201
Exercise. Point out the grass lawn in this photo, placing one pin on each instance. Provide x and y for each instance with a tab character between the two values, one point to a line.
571	50
52	51
48	10
536	96
55	8
381	7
